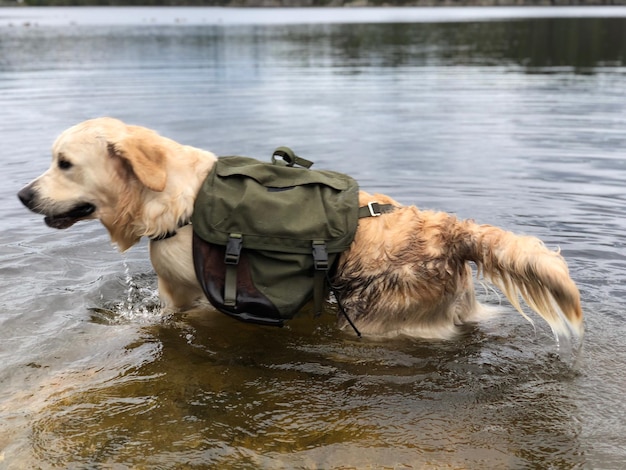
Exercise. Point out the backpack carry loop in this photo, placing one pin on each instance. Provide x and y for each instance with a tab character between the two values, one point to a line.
290	158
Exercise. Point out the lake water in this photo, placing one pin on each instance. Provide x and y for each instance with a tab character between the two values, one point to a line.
513	117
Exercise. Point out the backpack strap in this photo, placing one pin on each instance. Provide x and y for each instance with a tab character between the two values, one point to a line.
320	263
374	209
231	259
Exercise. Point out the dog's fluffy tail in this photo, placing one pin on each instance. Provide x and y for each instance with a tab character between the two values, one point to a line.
521	266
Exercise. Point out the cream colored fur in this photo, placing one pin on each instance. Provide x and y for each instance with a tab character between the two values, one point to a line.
407	272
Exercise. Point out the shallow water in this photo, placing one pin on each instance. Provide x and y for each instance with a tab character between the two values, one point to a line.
516	121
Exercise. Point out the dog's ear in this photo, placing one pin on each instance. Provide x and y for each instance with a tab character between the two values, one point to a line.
141	150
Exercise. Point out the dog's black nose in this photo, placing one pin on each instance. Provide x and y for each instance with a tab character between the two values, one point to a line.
27	195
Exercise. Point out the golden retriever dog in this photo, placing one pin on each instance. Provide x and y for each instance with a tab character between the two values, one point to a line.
407	271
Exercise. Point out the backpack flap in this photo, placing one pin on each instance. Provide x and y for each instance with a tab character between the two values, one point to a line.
276	208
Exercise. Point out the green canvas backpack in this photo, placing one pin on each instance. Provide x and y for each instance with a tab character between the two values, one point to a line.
266	235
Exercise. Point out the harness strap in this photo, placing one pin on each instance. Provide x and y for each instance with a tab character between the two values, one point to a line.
170	234
374	209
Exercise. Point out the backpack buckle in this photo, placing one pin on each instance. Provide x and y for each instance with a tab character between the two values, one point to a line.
233	248
320	256
374	211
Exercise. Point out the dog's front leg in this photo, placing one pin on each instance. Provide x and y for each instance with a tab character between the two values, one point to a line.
173	262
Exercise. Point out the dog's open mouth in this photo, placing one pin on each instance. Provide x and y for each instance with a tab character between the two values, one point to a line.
69	218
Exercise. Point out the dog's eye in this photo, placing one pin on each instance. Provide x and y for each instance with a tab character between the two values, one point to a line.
64	165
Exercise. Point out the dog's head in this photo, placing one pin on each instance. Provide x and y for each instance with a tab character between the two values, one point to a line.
101	169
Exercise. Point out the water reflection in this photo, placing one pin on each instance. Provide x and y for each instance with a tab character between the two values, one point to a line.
275	397
535	45
539	45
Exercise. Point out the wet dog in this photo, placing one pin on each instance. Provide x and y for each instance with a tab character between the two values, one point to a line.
407	271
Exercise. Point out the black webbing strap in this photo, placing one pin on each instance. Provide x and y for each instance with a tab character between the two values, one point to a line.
171	233
341	309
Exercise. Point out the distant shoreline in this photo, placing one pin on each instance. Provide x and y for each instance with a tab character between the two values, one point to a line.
313	3
153	15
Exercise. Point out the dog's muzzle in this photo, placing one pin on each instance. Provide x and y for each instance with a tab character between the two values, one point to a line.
29	198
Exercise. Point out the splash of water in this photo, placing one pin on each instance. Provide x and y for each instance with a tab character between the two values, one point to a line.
140	304
141	300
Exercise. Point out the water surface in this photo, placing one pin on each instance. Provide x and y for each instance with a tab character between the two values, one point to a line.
516	120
